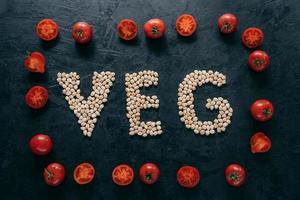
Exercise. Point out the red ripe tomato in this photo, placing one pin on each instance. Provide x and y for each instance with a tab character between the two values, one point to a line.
82	32
123	175
260	143
186	25
41	144
227	23
188	176
127	29
259	61
47	29
84	173
35	62
235	175
149	173
262	110
54	174
253	37
154	28
36	97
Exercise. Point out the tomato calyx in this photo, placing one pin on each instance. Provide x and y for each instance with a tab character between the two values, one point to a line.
267	112
258	62
80	33
234	176
148	176
226	25
50	175
155	30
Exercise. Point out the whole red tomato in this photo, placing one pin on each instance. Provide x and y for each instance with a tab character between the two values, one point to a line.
188	176
235	175
253	37
227	23
259	61
262	110
260	143
149	173
36	97
54	174
41	144
82	32
154	28
35	62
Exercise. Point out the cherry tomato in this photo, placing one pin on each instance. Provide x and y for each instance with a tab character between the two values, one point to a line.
36	97
186	25
35	62
123	175
259	61
149	173
227	23
54	174
47	29
154	28
235	175
127	29
253	37
84	173
262	110
41	144
82	32
260	143
188	176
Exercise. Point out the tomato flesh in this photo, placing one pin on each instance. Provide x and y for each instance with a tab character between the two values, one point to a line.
262	110
260	143
35	62
188	176
36	97
54	174
235	175
253	37
259	61
47	29
186	25
127	29
123	175
84	173
41	144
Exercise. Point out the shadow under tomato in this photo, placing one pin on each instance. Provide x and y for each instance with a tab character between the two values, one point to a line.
37	78
157	46
189	39
260	78
134	42
86	50
152	191
49	44
229	39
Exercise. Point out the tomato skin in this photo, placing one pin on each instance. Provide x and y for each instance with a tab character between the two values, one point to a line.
36	97
227	23
235	175
260	143
35	62
259	61
47	29
262	110
188	176
82	32
84	173
54	174
253	37
149	173
127	29
123	175
41	144
154	28
186	25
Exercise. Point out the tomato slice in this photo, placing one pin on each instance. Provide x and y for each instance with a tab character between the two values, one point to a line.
84	173
123	175
35	62
253	37
188	176
127	29
47	29
260	143
186	25
36	97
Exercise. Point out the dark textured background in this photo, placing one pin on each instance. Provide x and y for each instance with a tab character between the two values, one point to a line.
274	175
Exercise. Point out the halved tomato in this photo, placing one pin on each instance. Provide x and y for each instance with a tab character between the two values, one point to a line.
84	173
260	143
188	176
123	175
186	25
36	97
127	29
253	37
47	29
35	62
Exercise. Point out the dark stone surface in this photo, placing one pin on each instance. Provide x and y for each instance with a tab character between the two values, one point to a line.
274	175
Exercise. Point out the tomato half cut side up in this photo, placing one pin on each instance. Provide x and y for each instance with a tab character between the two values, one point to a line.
123	175
84	173
186	25
36	97
127	29
47	29
253	37
35	62
188	176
